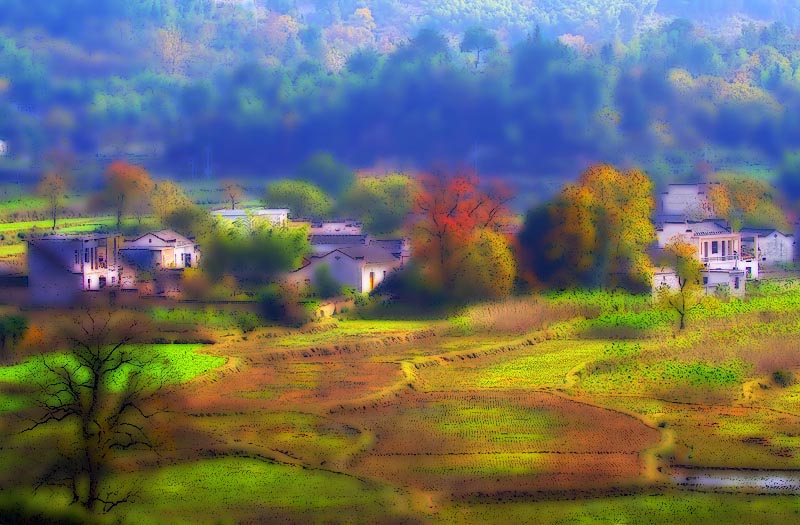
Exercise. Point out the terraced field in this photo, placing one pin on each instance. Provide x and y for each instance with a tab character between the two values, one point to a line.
421	422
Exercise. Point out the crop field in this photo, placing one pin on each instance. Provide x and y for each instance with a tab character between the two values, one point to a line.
444	421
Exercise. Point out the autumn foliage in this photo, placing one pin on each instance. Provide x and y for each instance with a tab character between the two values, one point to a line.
128	190
458	239
594	234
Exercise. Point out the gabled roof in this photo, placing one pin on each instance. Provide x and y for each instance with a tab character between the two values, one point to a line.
708	227
366	253
169	238
764	232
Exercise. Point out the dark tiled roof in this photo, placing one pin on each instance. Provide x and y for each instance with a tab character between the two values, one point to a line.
344	239
371	254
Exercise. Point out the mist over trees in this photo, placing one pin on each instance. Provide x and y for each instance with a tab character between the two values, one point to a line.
277	87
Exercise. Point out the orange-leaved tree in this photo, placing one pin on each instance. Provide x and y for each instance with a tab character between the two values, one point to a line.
743	201
601	228
128	190
457	230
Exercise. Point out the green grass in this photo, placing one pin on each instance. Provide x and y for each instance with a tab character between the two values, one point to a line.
679	507
210	491
176	363
643	377
11	250
546	365
343	331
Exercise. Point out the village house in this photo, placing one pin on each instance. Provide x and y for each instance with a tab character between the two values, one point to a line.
155	261
727	264
3	148
362	267
62	267
686	202
275	216
770	246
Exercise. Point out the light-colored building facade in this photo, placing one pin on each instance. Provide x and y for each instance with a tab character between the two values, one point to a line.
770	246
687	201
275	216
360	267
154	261
61	267
727	264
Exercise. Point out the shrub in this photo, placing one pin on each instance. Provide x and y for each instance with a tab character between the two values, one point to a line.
247	322
783	378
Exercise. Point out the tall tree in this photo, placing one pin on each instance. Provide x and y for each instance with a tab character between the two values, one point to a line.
452	212
746	201
478	39
168	197
102	389
682	256
303	199
382	203
602	227
128	189
233	193
53	187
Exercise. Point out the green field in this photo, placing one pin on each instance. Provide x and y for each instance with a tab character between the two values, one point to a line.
444	421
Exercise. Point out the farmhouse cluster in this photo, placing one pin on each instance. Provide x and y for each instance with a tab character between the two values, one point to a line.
730	258
63	267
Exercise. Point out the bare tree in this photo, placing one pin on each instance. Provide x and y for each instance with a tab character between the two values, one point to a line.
106	388
233	193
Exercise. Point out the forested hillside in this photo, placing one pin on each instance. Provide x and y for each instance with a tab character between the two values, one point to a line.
525	88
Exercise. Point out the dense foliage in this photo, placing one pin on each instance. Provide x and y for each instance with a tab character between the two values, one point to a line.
189	87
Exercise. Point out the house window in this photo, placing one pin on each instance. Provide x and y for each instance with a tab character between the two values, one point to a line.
371	281
736	283
715	247
705	280
88	284
77	259
86	255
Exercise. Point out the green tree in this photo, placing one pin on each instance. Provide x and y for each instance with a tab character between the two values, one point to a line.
682	256
323	170
254	255
303	199
382	203
478	39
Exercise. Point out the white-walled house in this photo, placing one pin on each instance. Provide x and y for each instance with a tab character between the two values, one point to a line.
3	148
276	216
727	263
62	267
769	245
687	201
361	267
155	253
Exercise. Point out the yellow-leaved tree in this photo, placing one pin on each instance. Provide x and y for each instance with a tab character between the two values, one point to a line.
682	256
744	201
601	229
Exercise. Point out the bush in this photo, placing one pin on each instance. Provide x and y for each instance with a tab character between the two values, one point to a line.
783	378
281	304
247	322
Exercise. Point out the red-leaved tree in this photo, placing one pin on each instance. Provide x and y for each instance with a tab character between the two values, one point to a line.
454	215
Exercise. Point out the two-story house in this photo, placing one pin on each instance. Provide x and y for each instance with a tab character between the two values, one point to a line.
62	267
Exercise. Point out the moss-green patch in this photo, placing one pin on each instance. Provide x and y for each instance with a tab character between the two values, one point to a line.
492	424
629	377
352	331
483	465
208	491
173	363
547	367
685	508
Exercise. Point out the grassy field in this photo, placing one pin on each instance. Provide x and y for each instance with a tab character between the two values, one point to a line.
507	412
